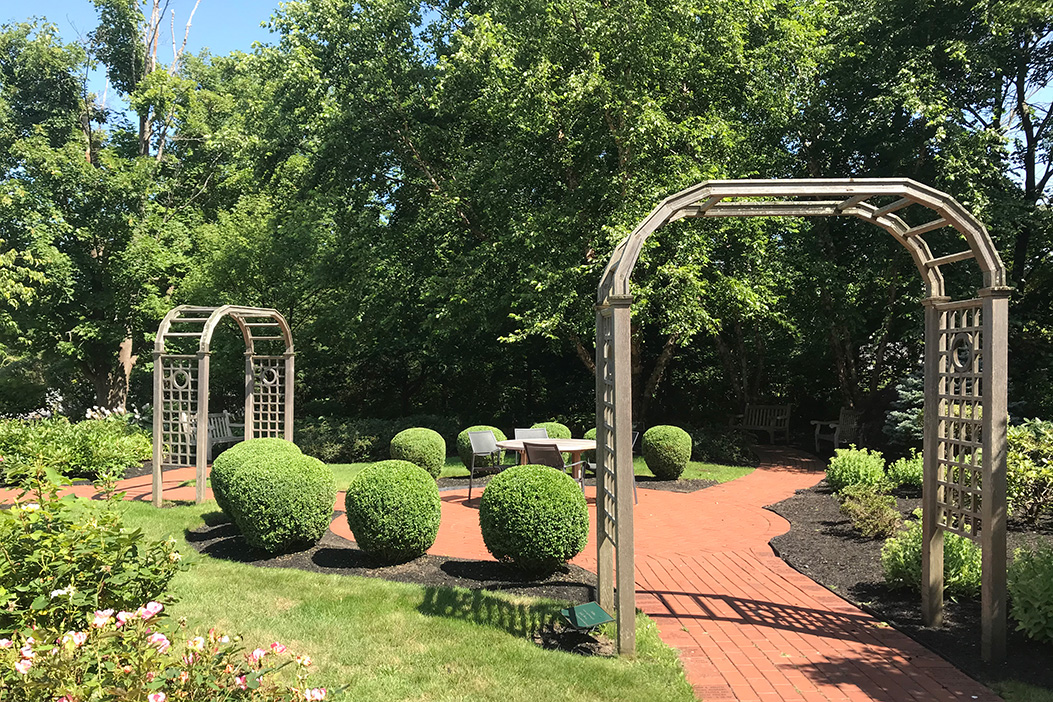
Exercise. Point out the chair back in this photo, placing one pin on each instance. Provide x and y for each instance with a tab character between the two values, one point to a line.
543	455
483	442
539	433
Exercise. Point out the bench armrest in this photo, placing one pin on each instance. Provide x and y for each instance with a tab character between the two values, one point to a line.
831	423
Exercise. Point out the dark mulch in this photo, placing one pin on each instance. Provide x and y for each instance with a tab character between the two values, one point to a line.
220	539
822	545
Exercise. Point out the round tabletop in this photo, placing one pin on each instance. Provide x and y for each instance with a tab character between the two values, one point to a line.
566	445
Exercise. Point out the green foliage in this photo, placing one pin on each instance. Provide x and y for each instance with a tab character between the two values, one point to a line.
1031	592
534	517
139	654
873	512
907	472
555	430
422	447
94	448
62	559
1029	462
723	445
589	456
666	450
464	443
280	499
901	561
852	466
393	510
362	440
904	422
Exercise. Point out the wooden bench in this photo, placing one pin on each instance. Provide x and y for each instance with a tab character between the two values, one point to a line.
220	429
773	419
840	432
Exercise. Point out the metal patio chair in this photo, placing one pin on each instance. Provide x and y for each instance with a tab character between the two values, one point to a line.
549	455
540	433
484	447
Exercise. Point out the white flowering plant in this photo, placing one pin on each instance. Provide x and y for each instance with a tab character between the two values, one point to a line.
139	656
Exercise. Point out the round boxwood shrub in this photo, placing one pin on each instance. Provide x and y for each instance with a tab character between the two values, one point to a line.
280	499
534	517
393	510
589	456
464	444
555	430
666	451
422	447
231	460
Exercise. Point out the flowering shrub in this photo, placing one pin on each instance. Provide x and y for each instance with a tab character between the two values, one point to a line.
138	656
60	560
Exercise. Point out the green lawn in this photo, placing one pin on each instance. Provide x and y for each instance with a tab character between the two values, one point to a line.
393	641
455	468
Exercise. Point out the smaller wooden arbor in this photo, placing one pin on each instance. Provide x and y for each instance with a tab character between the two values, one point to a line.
181	389
964	488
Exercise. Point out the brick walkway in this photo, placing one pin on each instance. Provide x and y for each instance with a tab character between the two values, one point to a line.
747	626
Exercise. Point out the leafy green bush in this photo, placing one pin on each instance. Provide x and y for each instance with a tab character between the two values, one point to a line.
94	448
589	456
230	461
1029	463
852	466
555	430
62	559
279	499
464	444
724	445
904	423
534	517
666	450
901	561
1031	592
907	472
873	513
335	440
393	510
422	447
139	655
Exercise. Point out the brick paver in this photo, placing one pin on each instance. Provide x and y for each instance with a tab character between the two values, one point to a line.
747	626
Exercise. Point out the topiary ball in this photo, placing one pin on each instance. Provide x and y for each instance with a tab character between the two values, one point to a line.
666	450
589	456
423	447
555	430
464	444
228	462
393	510
280	500
534	517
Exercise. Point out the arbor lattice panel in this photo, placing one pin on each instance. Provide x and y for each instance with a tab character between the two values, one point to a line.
268	396
178	401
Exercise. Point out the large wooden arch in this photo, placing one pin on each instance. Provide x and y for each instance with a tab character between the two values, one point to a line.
964	488
181	388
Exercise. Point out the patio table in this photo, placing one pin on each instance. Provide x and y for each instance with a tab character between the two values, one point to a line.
574	447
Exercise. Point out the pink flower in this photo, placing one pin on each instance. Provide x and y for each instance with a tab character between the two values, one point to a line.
23	666
149	610
196	644
123	617
315	693
183	676
240	682
102	618
278	648
256	655
27	652
5	643
160	641
305	661
157	697
77	638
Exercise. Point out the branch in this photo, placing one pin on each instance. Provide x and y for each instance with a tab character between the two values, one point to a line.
182	48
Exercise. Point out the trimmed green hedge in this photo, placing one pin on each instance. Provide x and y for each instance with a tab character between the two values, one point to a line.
422	447
338	440
279	499
666	450
555	430
393	510
534	517
464	444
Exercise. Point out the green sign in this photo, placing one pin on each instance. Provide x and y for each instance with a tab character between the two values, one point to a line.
585	616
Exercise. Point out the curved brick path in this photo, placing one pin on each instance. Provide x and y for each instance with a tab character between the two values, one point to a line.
747	626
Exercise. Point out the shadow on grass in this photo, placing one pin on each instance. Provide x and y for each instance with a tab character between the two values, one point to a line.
487	609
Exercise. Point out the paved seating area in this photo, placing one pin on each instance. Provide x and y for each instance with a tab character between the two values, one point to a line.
747	626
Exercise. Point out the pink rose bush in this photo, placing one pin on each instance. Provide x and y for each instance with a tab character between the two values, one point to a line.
143	657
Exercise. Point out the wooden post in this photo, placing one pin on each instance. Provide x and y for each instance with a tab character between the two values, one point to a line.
202	425
993	508
931	533
249	390
604	546
158	428
623	474
290	377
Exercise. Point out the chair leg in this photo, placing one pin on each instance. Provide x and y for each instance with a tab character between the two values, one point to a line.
636	500
471	477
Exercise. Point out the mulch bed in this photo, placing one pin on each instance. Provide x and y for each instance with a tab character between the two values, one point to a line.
823	545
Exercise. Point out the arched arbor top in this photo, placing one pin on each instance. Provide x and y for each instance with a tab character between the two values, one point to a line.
880	201
256	324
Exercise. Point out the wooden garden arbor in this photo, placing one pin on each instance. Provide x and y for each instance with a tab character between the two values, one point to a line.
181	389
964	488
